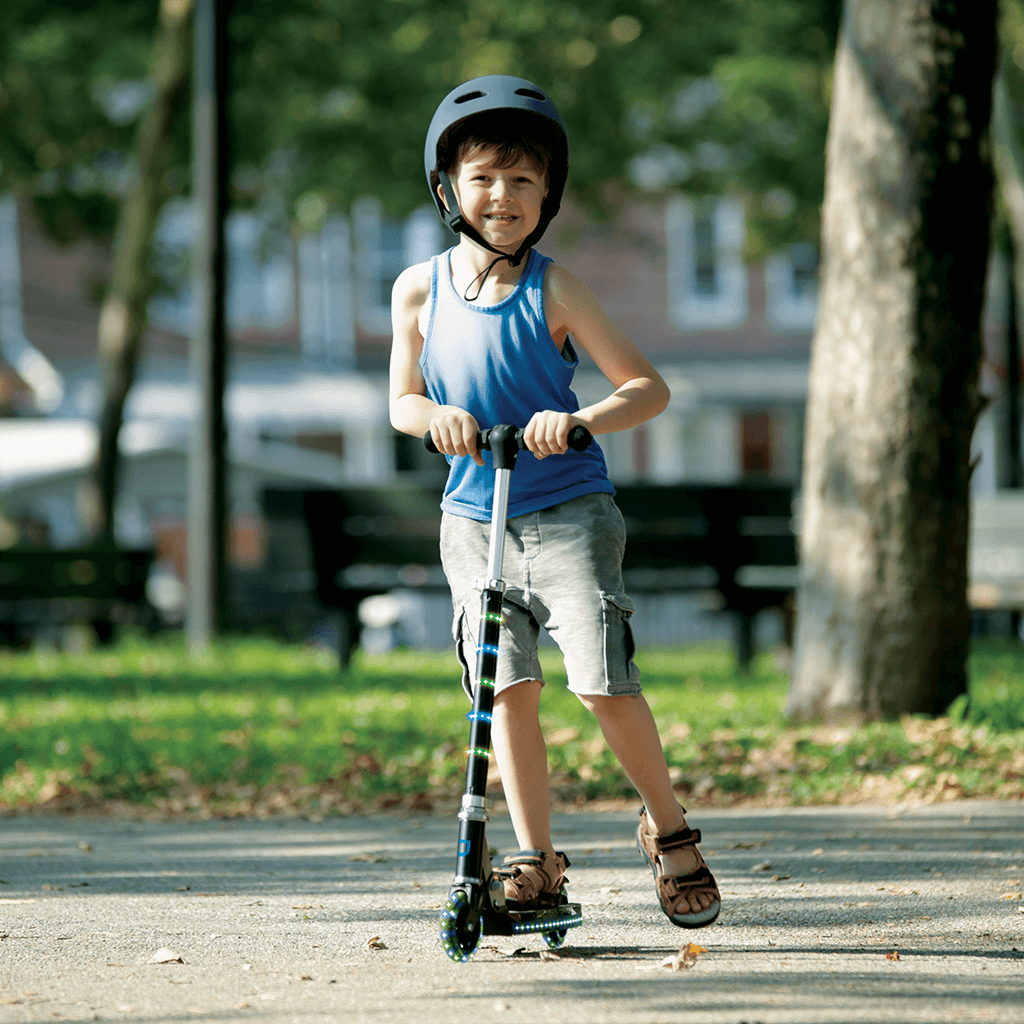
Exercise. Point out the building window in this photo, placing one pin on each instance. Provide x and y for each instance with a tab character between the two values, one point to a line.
326	322
260	273
707	278
791	284
384	247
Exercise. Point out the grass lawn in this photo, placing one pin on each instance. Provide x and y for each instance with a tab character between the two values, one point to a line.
265	729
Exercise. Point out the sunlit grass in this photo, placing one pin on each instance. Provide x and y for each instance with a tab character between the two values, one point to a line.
259	727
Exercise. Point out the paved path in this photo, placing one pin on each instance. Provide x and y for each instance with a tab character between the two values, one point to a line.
272	921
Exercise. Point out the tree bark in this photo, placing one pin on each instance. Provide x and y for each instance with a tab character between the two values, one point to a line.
123	314
884	623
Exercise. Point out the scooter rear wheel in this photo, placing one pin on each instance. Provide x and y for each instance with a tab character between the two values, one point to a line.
460	926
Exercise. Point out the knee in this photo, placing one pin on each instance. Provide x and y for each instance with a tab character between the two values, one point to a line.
521	696
601	704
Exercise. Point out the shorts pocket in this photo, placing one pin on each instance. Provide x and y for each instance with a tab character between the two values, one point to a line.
459	635
621	672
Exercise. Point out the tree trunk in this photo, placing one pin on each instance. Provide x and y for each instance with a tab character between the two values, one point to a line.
884	623
123	314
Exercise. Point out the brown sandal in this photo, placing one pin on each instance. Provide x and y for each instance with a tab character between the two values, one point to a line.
672	891
533	878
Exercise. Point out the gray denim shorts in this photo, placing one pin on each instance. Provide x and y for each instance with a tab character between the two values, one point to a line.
563	571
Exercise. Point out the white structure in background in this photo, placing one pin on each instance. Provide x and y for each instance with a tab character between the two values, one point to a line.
32	366
42	461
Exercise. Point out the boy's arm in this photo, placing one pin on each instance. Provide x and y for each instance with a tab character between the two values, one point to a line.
412	412
640	392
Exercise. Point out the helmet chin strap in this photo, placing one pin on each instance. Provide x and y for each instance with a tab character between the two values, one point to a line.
458	223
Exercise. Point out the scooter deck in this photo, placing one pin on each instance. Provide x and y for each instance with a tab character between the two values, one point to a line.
529	922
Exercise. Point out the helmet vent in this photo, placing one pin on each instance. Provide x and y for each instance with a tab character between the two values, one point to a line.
533	94
467	96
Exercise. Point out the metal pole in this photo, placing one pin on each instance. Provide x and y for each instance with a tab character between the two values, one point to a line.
1014	467
207	520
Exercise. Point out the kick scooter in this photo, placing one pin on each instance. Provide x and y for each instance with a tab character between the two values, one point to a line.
476	900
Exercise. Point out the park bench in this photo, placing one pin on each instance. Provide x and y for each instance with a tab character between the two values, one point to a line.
735	540
45	587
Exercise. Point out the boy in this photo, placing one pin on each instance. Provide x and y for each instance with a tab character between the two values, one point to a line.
482	336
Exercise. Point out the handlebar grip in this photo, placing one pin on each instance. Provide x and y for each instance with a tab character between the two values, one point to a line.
579	440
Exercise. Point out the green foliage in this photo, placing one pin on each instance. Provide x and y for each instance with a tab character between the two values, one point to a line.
63	134
332	97
262	728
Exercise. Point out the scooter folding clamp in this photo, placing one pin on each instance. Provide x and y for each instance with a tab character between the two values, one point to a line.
474	808
486	584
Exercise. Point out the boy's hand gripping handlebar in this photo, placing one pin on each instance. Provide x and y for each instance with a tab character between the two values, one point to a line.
506	441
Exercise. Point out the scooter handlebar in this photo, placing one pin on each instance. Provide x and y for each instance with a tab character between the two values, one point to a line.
579	439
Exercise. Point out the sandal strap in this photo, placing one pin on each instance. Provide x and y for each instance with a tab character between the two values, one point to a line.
677	840
532	858
699	878
532	875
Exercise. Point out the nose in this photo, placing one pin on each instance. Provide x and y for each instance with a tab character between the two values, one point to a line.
500	190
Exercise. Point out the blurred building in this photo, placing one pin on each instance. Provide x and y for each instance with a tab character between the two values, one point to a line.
309	323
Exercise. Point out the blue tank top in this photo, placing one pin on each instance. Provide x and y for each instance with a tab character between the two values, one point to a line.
501	365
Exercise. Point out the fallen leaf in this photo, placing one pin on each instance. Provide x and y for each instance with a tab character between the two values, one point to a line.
685	958
894	955
165	956
374	942
780	878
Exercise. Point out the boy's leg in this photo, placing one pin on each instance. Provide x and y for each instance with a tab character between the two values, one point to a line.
522	757
629	729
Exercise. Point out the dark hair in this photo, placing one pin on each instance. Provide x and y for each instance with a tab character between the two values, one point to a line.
511	134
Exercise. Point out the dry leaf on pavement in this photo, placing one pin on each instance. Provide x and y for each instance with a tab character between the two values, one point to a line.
374	942
894	955
683	960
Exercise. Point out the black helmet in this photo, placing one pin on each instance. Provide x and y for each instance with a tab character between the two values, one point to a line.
486	95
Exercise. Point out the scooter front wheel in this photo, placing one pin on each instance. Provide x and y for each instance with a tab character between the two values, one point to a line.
461	926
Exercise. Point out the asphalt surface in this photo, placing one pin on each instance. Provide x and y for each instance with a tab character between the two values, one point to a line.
835	915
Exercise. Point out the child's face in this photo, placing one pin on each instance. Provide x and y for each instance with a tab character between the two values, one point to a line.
502	203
